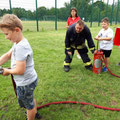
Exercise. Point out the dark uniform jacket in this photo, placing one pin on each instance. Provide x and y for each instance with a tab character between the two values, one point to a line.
75	40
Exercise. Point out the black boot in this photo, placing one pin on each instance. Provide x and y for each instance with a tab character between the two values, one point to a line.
90	67
66	68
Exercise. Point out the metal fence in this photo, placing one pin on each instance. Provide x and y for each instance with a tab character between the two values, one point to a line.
41	18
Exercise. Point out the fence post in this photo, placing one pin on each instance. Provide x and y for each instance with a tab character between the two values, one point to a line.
117	13
99	12
83	9
55	14
91	13
70	3
107	8
37	17
10	6
112	12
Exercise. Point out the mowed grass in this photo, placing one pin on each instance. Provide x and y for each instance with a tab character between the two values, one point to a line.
50	25
55	85
43	25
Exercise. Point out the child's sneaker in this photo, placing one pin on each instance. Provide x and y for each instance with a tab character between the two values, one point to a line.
104	69
38	116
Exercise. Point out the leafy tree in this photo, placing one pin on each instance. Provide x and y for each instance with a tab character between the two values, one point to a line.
41	12
20	12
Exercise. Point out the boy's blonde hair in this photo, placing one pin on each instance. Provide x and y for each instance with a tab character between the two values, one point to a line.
11	21
106	20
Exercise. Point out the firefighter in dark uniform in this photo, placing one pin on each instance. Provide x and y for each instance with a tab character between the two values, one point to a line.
76	35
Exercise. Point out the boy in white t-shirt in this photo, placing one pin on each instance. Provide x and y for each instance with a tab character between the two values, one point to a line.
105	36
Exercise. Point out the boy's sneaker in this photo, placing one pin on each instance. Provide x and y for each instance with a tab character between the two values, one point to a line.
66	68
78	56
118	64
105	69
38	116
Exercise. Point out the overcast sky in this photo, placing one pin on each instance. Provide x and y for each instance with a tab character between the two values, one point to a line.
30	4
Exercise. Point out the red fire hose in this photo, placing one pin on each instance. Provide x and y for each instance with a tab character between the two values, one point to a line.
83	103
71	102
68	102
98	60
74	102
109	69
111	72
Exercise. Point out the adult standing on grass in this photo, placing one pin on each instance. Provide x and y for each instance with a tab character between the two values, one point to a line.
71	20
22	64
105	36
76	36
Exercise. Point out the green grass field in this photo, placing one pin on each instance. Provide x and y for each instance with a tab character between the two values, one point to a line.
50	25
55	85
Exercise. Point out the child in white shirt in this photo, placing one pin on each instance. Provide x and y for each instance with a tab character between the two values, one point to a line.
105	36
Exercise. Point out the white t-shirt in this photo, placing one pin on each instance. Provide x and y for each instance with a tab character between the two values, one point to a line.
22	52
105	44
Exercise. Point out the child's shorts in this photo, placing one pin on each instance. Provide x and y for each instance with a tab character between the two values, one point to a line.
107	53
25	95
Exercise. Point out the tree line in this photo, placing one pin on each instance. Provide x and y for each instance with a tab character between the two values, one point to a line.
84	10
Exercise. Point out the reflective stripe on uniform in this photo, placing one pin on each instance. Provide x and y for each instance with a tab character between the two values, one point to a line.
66	63
92	48
88	63
73	46
68	48
79	47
